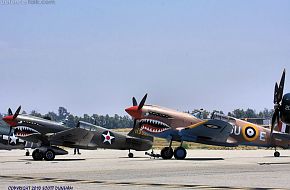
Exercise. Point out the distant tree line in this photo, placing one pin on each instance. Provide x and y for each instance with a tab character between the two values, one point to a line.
237	113
250	113
116	121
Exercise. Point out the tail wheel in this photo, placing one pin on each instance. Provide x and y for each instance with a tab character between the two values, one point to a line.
167	153
37	155
49	155
180	153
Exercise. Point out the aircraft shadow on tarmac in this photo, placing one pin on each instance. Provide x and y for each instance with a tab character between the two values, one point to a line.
274	163
76	159
188	159
204	159
135	157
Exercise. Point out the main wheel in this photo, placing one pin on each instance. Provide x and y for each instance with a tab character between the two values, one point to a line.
49	155
130	155
167	153
180	153
37	155
277	154
27	153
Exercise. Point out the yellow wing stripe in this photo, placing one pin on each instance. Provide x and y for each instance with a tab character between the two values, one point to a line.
197	124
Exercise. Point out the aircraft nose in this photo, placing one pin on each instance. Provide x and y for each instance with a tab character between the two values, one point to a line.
134	112
9	120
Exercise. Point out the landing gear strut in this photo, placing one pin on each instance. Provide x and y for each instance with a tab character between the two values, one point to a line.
180	152
130	155
276	153
47	153
167	152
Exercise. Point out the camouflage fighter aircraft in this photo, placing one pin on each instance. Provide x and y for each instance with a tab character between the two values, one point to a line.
246	133
50	134
173	125
220	130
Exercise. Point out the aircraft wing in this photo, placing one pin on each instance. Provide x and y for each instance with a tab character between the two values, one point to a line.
74	136
36	138
211	131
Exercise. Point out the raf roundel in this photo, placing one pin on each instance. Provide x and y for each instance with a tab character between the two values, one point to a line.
250	133
108	137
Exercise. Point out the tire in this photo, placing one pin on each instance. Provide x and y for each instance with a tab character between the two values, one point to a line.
167	153
130	155
27	153
277	154
180	153
49	155
37	155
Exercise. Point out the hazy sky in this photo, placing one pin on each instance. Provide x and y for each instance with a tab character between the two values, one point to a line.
93	56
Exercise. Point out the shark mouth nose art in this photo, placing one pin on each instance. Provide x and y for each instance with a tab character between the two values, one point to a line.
24	131
153	126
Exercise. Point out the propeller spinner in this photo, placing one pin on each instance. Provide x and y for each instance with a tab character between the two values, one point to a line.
135	110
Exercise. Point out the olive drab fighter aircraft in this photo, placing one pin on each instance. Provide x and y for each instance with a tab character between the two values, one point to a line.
219	130
50	134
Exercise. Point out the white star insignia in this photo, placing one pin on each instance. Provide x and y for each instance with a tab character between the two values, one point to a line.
107	137
13	139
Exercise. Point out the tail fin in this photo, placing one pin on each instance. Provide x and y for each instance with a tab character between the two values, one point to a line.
138	133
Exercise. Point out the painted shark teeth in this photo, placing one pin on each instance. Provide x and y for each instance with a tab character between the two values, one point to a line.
158	127
154	122
22	131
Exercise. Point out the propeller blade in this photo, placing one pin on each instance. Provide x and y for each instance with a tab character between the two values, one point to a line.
274	117
134	125
275	94
10	112
134	101
17	112
142	102
9	135
281	87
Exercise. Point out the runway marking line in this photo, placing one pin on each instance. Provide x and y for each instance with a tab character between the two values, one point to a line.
187	186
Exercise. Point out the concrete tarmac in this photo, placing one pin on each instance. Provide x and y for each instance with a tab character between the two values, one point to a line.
112	169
